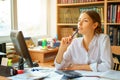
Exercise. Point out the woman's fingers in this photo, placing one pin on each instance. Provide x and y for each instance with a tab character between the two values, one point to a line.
71	67
66	40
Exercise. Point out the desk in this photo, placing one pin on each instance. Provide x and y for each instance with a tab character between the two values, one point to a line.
49	64
3	78
43	55
52	75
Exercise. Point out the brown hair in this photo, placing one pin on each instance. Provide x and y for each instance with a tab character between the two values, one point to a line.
96	18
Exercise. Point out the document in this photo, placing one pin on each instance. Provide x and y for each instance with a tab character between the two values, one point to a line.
111	75
35	73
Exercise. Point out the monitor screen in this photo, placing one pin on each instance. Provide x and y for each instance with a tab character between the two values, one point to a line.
3	47
21	47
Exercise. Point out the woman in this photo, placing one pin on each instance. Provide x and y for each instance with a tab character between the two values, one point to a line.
91	52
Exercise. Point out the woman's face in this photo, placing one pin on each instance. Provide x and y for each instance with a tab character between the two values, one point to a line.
85	24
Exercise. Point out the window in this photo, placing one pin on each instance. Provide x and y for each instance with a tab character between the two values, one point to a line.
5	17
29	16
32	17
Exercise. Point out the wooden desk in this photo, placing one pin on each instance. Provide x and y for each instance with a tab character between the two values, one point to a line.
43	55
49	64
3	78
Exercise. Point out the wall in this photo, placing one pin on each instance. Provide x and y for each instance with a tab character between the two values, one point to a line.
52	27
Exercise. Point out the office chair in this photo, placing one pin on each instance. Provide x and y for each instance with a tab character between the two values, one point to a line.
116	57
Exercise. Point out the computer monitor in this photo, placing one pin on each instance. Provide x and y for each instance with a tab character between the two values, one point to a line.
21	47
3	47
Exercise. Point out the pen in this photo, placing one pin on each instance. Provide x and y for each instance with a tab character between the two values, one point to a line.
76	31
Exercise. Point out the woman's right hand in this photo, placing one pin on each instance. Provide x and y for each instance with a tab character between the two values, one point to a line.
65	42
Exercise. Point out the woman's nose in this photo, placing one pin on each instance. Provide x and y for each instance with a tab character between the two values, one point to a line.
80	22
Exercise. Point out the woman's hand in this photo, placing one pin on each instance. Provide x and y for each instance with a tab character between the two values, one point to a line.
72	67
65	42
78	67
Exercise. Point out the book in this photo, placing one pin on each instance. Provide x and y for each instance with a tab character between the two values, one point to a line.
115	33
108	14
118	14
114	13
111	34
65	32
118	37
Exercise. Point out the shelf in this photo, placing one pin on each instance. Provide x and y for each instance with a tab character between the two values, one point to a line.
113	1
78	4
67	24
113	23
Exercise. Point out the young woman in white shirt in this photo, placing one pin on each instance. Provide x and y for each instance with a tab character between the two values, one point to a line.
91	52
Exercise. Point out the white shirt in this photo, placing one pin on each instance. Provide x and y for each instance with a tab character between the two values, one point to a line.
99	55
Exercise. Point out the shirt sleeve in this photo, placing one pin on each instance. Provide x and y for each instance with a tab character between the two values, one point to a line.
66	58
105	56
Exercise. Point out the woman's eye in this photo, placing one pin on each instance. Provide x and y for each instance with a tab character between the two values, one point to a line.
86	20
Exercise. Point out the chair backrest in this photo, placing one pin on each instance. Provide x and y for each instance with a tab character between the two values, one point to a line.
116	57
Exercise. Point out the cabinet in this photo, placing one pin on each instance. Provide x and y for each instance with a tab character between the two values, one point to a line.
68	12
43	56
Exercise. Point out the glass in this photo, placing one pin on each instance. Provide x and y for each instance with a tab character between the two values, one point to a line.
32	17
5	17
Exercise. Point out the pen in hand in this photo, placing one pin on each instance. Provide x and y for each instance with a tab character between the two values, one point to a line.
76	31
69	39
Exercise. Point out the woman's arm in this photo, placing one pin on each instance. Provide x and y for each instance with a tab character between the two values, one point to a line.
59	56
65	42
105	55
78	67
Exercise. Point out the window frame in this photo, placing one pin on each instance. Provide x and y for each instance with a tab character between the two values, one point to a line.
14	21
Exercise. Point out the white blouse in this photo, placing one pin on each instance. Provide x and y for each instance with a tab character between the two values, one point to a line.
99	55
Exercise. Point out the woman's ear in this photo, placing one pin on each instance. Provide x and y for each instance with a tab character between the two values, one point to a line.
95	25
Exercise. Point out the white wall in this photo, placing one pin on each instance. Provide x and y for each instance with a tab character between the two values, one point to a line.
52	20
52	29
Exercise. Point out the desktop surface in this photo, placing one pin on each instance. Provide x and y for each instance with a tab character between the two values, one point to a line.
45	73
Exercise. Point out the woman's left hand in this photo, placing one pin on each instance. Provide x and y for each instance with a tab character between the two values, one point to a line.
72	67
78	67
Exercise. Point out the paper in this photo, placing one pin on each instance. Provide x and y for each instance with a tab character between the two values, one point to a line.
38	74
4	61
89	73
112	75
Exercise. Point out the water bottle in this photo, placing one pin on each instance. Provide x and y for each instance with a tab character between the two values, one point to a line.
44	44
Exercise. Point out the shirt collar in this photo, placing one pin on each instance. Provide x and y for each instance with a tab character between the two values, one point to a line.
93	42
